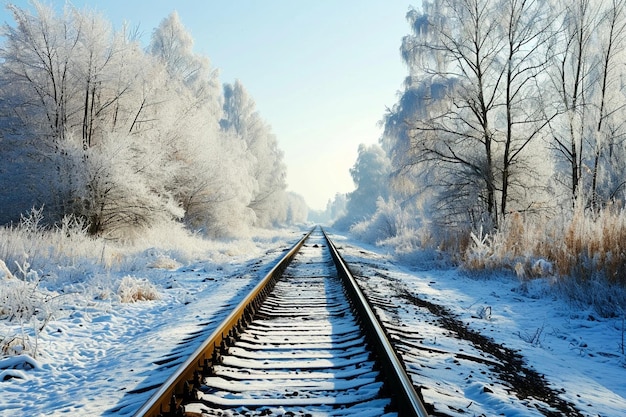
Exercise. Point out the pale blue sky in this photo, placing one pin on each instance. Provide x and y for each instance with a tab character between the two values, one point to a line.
321	72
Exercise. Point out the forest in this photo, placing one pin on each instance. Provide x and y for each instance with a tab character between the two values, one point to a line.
506	147
100	131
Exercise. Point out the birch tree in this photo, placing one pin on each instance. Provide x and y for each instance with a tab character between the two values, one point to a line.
571	73
37	58
457	45
587	77
608	133
467	132
526	28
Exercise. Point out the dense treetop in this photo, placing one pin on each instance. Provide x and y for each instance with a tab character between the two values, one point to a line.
96	126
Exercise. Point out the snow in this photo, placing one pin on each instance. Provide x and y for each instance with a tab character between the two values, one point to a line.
99	356
578	352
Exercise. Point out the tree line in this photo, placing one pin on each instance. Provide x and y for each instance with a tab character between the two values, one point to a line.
124	137
511	106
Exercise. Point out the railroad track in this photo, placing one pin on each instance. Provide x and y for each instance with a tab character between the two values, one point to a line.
304	342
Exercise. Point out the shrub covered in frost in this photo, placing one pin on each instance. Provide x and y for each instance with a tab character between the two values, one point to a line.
134	289
388	221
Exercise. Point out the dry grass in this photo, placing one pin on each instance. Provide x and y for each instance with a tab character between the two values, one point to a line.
587	246
134	289
14	345
586	253
594	246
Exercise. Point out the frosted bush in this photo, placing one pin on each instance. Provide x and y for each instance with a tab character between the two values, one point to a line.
584	250
32	221
31	245
489	251
27	309
479	254
19	300
388	221
134	289
164	262
542	268
519	244
174	242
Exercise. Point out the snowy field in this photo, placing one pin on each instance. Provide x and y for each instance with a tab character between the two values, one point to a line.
100	356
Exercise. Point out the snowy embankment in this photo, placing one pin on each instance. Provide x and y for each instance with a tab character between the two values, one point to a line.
97	355
576	352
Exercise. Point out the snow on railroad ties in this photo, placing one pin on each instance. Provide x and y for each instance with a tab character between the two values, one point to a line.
96	350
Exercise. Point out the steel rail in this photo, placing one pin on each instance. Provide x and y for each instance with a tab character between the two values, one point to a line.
166	399
408	402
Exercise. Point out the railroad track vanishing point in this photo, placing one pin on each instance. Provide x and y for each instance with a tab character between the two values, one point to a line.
303	342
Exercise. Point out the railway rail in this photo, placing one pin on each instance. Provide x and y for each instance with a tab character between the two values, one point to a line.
303	342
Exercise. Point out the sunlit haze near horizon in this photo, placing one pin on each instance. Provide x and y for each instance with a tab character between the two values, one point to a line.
321	72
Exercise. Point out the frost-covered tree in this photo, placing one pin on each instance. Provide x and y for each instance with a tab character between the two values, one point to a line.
606	134
609	140
370	174
455	46
526	28
173	45
99	97
297	209
95	126
466	136
214	180
37	60
571	72
61	87
118	198
587	79
242	120
35	104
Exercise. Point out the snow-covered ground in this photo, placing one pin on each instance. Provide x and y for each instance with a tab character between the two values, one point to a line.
577	353
99	356
97	350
